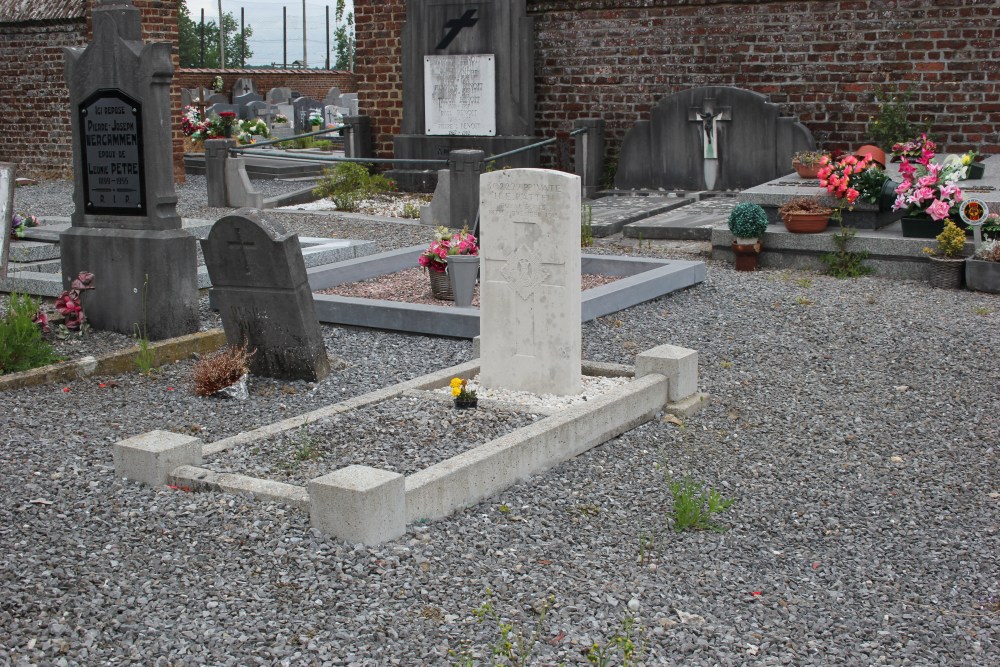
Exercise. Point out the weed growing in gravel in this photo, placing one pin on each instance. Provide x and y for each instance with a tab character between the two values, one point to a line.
804	301
22	346
587	226
804	283
306	448
726	364
694	505
980	310
348	183
411	210
623	641
146	358
843	263
512	647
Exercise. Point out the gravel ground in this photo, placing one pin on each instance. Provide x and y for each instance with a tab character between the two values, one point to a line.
855	424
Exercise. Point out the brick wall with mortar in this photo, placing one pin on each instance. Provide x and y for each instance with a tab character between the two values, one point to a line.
820	61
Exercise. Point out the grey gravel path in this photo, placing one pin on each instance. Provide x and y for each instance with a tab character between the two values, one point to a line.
855	423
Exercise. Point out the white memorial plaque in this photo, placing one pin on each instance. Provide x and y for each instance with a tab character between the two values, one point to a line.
460	95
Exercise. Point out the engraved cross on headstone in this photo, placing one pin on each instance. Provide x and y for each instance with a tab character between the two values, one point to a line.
242	246
466	20
526	272
708	115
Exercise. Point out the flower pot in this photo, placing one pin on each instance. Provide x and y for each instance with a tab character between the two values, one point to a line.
878	155
806	170
746	255
947	272
466	403
441	285
807	223
887	197
975	171
921	226
463	271
982	276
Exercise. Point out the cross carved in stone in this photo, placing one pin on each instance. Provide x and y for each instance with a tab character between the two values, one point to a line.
708	115
525	272
242	246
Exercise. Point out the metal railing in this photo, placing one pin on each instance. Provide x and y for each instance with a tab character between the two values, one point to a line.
531	147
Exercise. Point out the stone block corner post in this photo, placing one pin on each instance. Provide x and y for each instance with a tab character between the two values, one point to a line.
589	159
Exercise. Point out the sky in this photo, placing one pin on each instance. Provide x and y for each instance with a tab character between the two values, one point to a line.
265	18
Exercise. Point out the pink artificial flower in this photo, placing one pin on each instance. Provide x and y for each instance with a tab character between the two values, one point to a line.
852	195
927	181
920	195
903	187
900	202
950	190
938	210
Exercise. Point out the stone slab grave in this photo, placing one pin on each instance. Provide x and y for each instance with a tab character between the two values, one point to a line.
610	214
693	222
641	280
6	212
262	293
710	138
361	504
125	227
530	288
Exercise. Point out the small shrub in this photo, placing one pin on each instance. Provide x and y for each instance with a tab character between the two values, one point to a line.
349	182
411	210
694	505
950	242
747	220
22	346
843	263
222	369
890	124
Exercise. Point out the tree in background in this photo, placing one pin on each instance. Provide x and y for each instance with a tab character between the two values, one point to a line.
189	33
344	38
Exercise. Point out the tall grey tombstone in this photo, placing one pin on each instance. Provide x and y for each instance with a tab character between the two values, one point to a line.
6	212
468	79
350	102
279	95
530	304
332	96
125	227
186	97
216	98
261	110
241	102
219	107
260	286
303	107
710	138
242	86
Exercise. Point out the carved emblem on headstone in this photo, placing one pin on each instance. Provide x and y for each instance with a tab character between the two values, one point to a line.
466	20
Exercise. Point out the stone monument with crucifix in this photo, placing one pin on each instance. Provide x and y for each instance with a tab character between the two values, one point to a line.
468	80
710	138
530	287
125	229
260	286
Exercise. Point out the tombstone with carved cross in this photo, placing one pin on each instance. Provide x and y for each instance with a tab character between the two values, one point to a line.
260	287
530	289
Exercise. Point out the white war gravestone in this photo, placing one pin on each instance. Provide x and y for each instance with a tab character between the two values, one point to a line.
6	212
530	286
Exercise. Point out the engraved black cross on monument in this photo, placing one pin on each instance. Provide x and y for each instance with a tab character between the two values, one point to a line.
708	115
241	246
466	20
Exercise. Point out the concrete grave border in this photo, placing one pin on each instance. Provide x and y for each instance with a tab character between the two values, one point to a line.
645	279
369	505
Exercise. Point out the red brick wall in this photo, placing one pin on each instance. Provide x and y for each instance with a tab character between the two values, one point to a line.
819	61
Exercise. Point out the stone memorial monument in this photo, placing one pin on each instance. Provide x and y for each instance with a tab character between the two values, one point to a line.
125	229
468	79
6	212
530	283
710	138
260	287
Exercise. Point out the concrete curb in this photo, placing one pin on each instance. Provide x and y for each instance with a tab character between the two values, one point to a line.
115	363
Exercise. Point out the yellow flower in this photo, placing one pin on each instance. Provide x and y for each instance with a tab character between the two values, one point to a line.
967	159
456	382
455	391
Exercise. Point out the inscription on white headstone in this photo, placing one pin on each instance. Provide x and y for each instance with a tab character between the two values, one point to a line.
530	287
460	95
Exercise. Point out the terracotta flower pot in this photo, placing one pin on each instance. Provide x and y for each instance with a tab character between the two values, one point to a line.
746	255
807	223
806	170
878	155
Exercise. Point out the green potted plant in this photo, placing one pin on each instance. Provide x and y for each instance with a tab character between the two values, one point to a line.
805	215
982	270
947	262
807	163
747	222
464	395
974	168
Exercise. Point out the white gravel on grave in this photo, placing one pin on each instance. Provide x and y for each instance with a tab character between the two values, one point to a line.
592	387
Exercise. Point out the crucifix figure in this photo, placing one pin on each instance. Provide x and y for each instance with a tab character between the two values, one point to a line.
707	117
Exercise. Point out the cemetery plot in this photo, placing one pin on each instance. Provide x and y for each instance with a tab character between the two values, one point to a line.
404	434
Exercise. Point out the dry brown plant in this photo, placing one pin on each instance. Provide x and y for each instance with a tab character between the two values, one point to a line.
222	369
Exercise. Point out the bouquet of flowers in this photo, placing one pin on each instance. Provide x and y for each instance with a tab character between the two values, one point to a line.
250	130
19	223
851	178
192	124
315	118
279	118
927	187
217	84
435	258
